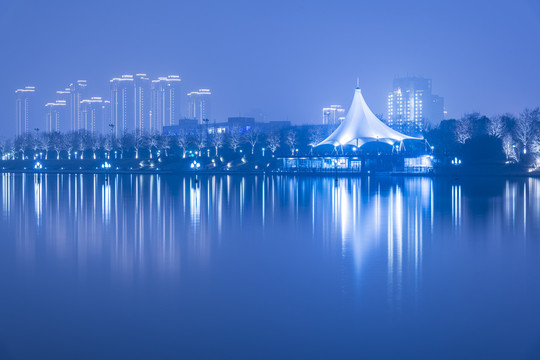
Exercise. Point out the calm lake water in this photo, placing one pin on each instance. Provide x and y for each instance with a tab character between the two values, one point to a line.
232	267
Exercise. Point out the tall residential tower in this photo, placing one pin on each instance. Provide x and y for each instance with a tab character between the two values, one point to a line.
200	105
166	102
130	103
333	115
94	114
23	109
56	114
77	92
412	105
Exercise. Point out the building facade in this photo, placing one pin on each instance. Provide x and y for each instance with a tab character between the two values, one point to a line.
94	114
166	102
130	103
142	102
412	105
77	92
65	118
24	109
333	115
56	114
200	105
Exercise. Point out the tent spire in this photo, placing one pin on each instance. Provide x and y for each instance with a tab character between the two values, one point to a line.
358	82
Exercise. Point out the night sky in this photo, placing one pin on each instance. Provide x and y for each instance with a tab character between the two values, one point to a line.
286	59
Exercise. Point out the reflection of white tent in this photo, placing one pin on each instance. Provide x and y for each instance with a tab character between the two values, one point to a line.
362	126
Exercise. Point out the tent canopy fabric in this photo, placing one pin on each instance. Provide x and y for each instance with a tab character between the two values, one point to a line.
362	126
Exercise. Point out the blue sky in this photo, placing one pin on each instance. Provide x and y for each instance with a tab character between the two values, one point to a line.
287	59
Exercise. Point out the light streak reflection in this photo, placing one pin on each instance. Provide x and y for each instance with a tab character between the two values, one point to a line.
144	221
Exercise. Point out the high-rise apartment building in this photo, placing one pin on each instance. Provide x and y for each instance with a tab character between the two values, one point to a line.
56	114
106	120
333	115
23	109
77	92
143	103
122	104
200	105
130	106
166	102
411	105
94	114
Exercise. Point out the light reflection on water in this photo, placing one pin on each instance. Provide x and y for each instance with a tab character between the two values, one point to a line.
385	237
360	212
125	212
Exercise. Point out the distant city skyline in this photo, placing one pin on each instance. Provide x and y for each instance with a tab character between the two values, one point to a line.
135	102
264	60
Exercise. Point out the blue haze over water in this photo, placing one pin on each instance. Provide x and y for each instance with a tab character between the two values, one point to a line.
152	266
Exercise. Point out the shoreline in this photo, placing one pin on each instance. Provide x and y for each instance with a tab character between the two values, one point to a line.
464	174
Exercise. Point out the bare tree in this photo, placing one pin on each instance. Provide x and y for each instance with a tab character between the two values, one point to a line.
535	147
139	142
273	141
56	142
508	148
47	146
217	141
94	144
525	127
496	126
152	142
85	141
463	130
291	140
235	136
315	137
535	144
252	137
108	145
36	142
8	148
182	142
200	140
166	142
71	141
127	141
20	144
3	148
12	148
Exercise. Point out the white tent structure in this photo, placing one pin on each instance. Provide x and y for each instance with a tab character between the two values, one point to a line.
362	126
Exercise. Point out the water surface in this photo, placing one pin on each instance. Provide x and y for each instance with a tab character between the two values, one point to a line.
151	266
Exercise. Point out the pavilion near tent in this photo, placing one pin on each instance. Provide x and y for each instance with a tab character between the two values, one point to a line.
362	126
